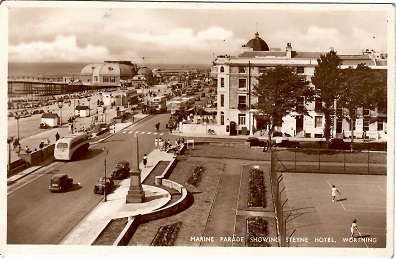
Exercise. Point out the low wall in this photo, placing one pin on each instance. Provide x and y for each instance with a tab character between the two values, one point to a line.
127	233
37	156
203	129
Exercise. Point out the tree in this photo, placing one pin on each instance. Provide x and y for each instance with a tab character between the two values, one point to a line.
328	80
362	88
278	90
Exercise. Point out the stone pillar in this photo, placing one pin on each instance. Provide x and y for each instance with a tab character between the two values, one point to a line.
135	192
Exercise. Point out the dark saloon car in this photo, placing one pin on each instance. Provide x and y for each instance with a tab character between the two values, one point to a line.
104	183
60	182
288	144
255	142
122	170
338	144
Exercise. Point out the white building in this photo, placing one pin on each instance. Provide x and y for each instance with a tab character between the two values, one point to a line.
236	76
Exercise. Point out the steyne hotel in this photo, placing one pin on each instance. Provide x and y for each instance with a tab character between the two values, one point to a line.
235	105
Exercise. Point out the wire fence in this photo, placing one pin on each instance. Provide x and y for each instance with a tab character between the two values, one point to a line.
317	161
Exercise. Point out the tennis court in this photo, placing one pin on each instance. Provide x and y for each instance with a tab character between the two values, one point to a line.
311	214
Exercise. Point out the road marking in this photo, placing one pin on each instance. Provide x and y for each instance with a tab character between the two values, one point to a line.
149	133
136	131
155	133
161	134
141	132
124	132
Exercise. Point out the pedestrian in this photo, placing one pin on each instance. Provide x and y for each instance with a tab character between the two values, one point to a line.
18	149
145	160
176	143
27	150
353	227
41	146
160	144
48	141
156	142
182	140
57	137
334	192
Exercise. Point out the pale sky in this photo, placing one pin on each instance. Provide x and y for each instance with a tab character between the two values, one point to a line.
189	32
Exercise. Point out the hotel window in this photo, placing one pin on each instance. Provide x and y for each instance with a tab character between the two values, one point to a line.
242	119
221	100
221	118
242	83
241	101
221	69
222	82
318	121
300	70
300	104
366	112
318	104
242	69
380	125
366	125
112	80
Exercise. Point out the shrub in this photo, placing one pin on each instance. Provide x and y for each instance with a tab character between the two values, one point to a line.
256	227
196	176
167	235
256	193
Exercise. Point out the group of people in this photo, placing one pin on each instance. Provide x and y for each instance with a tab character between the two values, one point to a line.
164	145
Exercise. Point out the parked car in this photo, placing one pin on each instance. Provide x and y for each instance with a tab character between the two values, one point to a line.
255	142
122	170
287	144
102	184
338	144
60	183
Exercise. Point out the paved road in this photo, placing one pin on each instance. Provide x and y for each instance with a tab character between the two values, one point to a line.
37	216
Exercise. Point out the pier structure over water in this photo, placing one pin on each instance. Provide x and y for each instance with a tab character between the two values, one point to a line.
42	86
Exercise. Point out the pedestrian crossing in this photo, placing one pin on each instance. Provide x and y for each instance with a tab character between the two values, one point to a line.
142	132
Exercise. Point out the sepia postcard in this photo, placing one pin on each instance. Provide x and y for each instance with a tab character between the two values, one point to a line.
199	129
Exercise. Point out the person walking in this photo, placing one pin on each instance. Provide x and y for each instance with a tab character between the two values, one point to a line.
18	149
334	192
354	227
57	137
160	144
156	142
145	160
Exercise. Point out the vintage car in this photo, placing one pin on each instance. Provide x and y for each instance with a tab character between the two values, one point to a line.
104	183
338	144
121	170
256	142
287	144
60	183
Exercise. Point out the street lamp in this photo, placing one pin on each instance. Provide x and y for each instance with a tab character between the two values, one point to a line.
60	105
9	141
89	106
17	118
105	171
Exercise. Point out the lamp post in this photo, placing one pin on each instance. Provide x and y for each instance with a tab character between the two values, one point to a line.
105	171
9	141
17	118
60	105
89	106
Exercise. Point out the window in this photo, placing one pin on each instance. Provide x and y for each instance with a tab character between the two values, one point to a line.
221	69
221	100
380	125
300	104
318	121
242	119
242	83
222	118
242	69
221	82
366	125
366	112
318	104
300	70
241	101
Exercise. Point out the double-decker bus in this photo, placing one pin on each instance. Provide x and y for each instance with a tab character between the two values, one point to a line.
159	104
67	146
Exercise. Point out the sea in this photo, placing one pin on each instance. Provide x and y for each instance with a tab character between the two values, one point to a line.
58	69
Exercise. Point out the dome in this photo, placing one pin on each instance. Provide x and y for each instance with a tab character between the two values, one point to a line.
257	44
145	71
108	69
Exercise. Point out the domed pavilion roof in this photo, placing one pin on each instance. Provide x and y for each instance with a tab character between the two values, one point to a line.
145	71
257	44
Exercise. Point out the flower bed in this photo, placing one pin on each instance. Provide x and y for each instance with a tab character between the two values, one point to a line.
196	176
256	229
167	235
256	194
